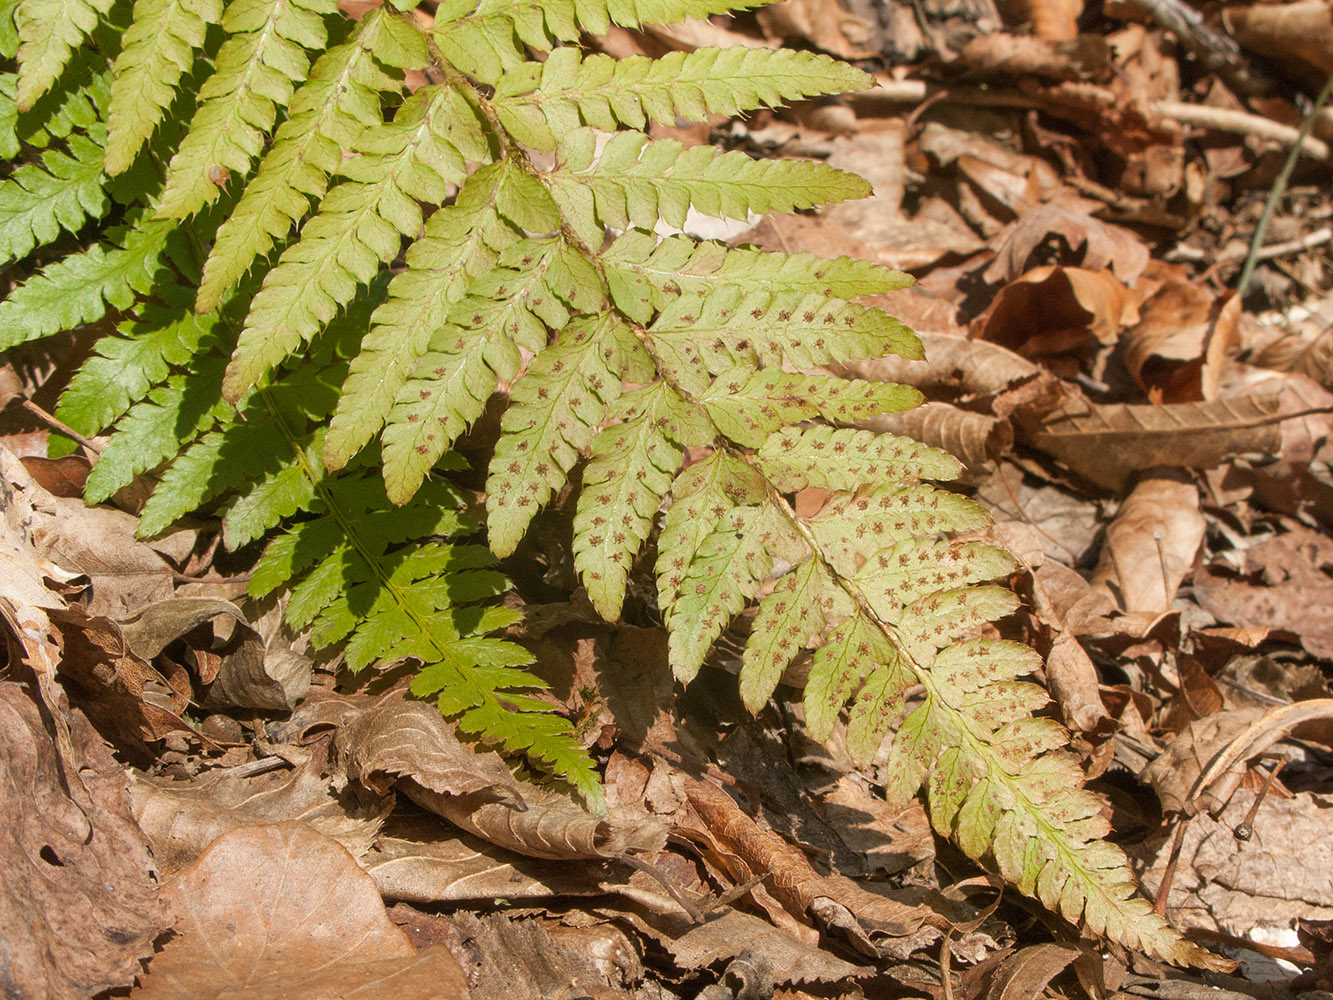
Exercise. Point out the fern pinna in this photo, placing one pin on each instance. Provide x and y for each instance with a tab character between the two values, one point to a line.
318	248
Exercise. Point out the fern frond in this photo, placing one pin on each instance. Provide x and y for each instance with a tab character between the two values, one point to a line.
152	431
38	203
50	31
359	227
843	459
485	38
255	74
461	241
726	572
554	411
736	326
645	275
637	182
447	391
327	114
536	102
80	288
633	464
157	50
123	369
58	113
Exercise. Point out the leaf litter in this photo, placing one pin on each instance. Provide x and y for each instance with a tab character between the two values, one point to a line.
1158	445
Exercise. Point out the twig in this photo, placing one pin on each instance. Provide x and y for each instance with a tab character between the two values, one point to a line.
1275	195
55	423
1243	123
1301	243
1169	873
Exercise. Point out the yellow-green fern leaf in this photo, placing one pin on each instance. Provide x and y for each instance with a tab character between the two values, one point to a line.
327	114
358	228
255	74
158	49
50	31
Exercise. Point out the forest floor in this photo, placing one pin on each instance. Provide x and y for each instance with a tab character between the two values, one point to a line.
1078	192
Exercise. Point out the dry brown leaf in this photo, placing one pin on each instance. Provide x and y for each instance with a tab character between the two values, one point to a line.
1025	974
1151	544
1282	584
1052	310
971	367
1106	444
282	911
976	439
239	674
726	934
1023	55
77	902
1284	872
530	959
1074	238
1303	29
183	818
1074	685
553	826
1054	20
877	923
409	741
821	23
61	477
1177	349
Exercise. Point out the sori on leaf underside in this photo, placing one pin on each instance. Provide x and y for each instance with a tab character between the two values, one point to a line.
309	251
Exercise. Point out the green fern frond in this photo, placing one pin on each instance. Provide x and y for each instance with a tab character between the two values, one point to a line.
554	411
157	50
736	326
340	99
152	431
80	288
461	241
358	228
645	275
124	369
38	203
637	182
536	102
49	32
255	74
485	38
843	458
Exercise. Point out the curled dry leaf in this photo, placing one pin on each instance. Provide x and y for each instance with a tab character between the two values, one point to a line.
1303	29
1025	974
554	825
976	439
1183	337
183	818
1054	20
825	24
1151	544
240	674
970	367
277	911
1051	310
877	923
410	740
1022	55
77	892
1088	243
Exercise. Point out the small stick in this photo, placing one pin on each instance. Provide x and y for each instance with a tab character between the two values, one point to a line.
55	423
1169	875
1245	828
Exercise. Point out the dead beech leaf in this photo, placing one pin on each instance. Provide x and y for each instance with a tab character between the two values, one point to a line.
726	934
401	739
61	477
1070	238
1303	29
282	911
971	367
976	439
240	674
1075	686
877	923
1051	310
1177	349
183	818
1106	444
553	825
1025	974
77	892
1151	544
1281	585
